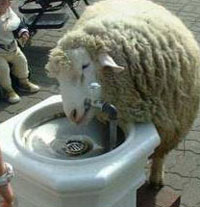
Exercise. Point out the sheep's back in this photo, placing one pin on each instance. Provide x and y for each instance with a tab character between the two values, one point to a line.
161	57
162	66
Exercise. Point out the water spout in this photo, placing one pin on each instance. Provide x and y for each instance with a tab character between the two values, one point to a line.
95	101
113	134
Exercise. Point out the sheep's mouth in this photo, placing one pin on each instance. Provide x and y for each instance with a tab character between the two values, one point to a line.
86	115
85	118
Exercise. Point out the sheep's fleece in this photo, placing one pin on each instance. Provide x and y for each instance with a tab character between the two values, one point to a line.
161	59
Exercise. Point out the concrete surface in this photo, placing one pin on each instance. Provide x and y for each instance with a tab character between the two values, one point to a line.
182	172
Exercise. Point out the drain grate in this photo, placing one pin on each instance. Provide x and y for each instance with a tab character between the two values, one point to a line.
76	147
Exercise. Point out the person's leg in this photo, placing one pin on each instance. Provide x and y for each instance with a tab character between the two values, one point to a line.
20	71
5	82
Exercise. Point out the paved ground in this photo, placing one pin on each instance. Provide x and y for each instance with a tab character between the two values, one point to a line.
183	164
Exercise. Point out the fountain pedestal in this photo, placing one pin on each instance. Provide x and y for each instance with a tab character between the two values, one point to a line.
110	179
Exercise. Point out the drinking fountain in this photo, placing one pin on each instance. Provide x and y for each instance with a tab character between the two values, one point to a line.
60	164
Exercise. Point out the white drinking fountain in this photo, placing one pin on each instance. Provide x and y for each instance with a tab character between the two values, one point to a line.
60	164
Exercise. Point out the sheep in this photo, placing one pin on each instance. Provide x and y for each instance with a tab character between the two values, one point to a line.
147	63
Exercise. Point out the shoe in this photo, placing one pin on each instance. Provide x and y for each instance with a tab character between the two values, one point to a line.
12	97
26	86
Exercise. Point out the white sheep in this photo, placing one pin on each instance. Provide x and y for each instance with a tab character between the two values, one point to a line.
146	61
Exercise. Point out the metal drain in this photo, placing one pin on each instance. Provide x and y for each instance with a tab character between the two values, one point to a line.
76	147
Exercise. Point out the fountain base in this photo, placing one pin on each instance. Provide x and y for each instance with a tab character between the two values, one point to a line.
110	179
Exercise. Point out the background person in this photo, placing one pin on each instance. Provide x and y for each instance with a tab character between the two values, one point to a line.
11	27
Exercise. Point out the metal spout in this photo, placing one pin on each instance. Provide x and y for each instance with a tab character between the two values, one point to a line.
95	101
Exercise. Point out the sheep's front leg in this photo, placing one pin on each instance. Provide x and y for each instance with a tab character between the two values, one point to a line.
157	172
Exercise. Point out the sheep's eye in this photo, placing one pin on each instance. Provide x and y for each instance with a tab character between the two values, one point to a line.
85	66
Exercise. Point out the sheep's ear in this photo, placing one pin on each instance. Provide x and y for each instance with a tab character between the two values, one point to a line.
53	67
50	69
107	61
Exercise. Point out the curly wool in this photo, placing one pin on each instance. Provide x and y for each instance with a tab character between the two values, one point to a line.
161	80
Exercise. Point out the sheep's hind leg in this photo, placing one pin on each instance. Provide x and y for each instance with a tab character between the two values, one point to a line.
157	172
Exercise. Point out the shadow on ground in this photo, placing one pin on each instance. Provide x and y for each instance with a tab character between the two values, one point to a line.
37	59
36	56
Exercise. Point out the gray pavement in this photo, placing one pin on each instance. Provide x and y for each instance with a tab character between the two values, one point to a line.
182	172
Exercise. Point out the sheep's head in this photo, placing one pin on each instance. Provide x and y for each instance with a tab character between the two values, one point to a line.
75	70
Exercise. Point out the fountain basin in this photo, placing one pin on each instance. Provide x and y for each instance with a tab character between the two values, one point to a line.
96	178
46	134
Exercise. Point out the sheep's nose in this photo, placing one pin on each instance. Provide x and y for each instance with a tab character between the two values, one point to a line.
73	115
